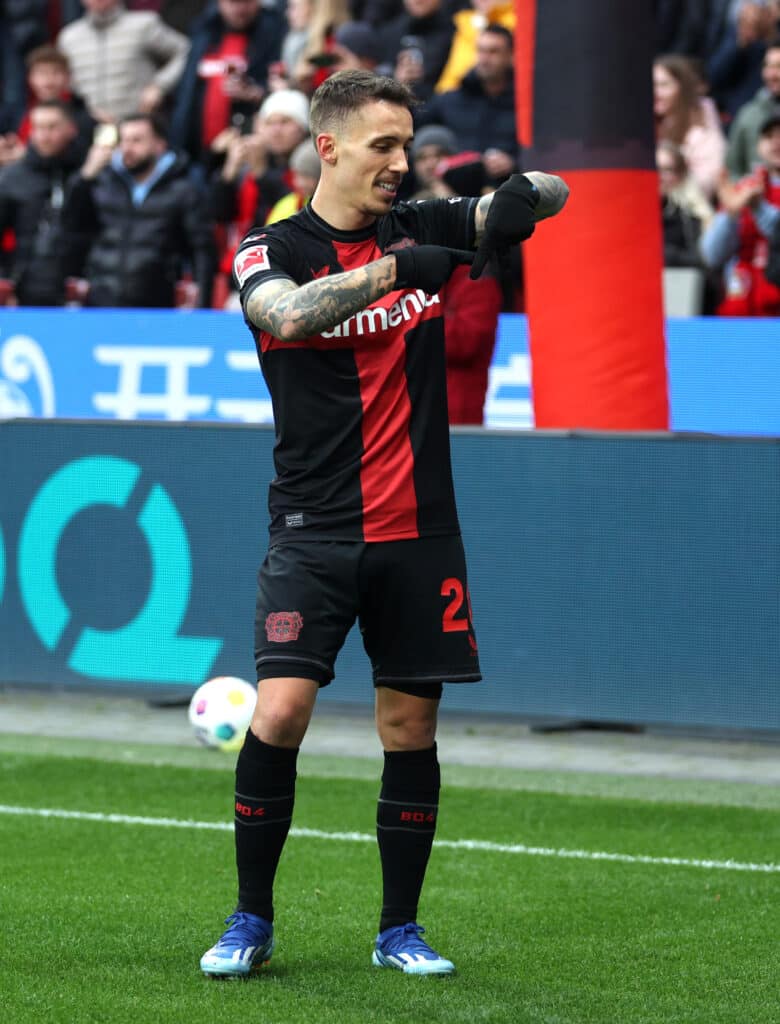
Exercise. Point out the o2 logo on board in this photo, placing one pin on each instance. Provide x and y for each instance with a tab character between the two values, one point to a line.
148	647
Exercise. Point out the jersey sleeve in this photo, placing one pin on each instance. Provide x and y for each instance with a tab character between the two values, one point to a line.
261	256
447	222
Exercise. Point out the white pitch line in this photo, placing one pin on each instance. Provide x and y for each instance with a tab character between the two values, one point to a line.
364	837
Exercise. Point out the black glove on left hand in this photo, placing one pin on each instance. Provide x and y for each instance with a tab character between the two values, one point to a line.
427	266
510	220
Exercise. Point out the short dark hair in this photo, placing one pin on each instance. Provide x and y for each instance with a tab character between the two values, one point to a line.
155	122
64	108
345	91
500	30
47	54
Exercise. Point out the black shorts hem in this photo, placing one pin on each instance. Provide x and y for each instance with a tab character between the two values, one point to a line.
439	677
271	668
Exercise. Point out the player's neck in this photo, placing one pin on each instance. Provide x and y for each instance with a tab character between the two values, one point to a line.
334	211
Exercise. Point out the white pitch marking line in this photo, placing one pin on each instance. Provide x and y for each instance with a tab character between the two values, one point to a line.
363	837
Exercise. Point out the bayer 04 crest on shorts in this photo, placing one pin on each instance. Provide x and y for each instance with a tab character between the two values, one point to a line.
220	712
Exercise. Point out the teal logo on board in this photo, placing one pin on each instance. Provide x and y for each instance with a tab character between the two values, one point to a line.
148	647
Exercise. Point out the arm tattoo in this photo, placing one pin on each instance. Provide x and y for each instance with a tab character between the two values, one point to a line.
480	215
291	313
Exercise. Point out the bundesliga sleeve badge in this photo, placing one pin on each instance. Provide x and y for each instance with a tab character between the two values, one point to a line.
250	261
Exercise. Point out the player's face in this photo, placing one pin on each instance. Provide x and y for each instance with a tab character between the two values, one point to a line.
371	158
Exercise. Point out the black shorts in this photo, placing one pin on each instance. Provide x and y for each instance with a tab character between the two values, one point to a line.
410	598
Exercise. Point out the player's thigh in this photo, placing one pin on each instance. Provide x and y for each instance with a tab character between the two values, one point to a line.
415	613
307	600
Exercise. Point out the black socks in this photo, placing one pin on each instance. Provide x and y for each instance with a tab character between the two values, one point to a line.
405	824
265	794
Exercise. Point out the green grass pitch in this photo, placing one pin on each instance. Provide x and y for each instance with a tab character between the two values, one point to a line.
104	921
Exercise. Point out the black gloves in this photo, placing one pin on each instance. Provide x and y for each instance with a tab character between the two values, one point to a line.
427	266
510	220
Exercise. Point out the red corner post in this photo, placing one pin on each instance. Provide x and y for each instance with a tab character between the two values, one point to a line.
593	275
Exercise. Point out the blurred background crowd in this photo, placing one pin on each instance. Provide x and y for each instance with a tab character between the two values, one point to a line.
139	141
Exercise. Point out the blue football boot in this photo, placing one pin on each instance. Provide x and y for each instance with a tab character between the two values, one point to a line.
242	950
402	948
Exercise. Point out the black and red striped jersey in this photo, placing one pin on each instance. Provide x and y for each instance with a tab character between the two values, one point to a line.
360	411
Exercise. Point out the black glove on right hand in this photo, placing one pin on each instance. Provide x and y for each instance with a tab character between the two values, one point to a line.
427	266
510	220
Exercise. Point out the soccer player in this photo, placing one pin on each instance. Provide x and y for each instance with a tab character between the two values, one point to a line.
342	300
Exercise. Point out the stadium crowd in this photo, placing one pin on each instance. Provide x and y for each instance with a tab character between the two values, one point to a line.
140	140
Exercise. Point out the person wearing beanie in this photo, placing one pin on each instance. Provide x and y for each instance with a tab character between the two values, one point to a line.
355	46
256	173
286	103
429	145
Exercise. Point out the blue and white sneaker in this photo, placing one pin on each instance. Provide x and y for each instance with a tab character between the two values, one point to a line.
242	950
402	948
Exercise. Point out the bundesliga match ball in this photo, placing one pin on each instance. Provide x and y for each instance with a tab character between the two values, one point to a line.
221	710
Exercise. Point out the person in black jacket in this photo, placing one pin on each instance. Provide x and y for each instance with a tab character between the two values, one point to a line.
144	217
415	45
481	111
32	192
225	77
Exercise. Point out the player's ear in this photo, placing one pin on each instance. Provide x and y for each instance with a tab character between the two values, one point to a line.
326	147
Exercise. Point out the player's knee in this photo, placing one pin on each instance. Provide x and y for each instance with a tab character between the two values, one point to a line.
407	732
281	723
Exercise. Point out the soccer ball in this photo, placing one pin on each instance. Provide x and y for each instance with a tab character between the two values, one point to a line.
221	710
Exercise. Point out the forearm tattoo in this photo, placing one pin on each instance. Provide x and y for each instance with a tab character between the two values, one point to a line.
480	216
291	313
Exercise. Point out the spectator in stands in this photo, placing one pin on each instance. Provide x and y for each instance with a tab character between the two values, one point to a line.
416	44
226	76
743	134
48	78
24	25
469	22
299	16
120	60
355	47
685	209
144	217
481	112
305	171
256	171
430	144
734	69
688	119
316	61
32	193
737	239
